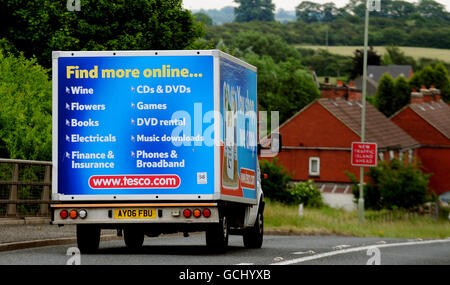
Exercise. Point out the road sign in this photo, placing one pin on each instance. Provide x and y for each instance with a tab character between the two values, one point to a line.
364	154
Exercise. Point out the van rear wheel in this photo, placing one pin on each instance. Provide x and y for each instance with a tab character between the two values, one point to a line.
217	235
253	237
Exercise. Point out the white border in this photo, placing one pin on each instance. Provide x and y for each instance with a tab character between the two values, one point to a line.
365	165
144	197
54	127
127	188
126	53
217	129
318	166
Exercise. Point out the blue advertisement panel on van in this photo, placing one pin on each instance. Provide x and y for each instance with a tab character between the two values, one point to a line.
238	99
135	125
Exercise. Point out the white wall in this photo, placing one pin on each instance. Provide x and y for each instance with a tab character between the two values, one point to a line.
339	200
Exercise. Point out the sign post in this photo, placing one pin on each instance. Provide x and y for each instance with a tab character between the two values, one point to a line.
370	6
363	155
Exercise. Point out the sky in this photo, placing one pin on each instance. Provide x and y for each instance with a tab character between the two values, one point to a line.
285	4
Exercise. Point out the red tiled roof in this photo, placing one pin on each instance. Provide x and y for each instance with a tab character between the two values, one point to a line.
379	129
436	114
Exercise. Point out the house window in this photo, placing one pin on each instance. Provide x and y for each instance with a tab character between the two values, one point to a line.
410	155
400	155
314	166
391	155
381	156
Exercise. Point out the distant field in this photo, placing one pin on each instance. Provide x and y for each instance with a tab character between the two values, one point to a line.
415	52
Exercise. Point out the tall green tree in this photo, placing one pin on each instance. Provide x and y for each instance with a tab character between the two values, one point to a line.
39	27
385	95
432	9
285	87
309	12
401	94
358	61
254	10
441	81
427	74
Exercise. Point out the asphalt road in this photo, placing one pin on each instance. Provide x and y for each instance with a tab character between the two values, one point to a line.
277	250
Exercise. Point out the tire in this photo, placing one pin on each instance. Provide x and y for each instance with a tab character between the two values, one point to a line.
217	236
88	238
253	237
134	238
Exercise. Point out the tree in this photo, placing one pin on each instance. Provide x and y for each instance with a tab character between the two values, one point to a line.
264	44
39	27
385	95
392	185
254	10
402	93
358	61
394	55
276	186
329	11
432	9
441	81
308	12
25	109
398	9
427	75
203	18
284	87
357	7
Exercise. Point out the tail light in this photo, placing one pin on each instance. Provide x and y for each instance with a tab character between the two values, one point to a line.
187	213
64	214
82	214
197	213
73	214
206	213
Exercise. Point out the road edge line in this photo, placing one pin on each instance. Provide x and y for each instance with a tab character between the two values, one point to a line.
356	249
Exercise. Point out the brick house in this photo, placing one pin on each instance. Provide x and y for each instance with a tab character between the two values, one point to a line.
427	120
374	73
317	140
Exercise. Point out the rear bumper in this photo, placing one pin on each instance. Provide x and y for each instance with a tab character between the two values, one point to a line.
162	213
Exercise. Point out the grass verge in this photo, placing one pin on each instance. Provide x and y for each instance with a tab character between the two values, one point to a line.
279	217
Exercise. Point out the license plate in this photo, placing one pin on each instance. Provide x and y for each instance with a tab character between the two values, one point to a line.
135	214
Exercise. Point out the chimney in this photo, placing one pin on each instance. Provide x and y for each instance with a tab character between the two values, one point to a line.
427	95
354	94
333	91
436	93
416	97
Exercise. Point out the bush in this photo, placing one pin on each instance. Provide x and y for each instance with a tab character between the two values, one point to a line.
276	186
393	185
306	193
25	109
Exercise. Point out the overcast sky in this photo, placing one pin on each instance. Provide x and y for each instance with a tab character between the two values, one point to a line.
285	4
